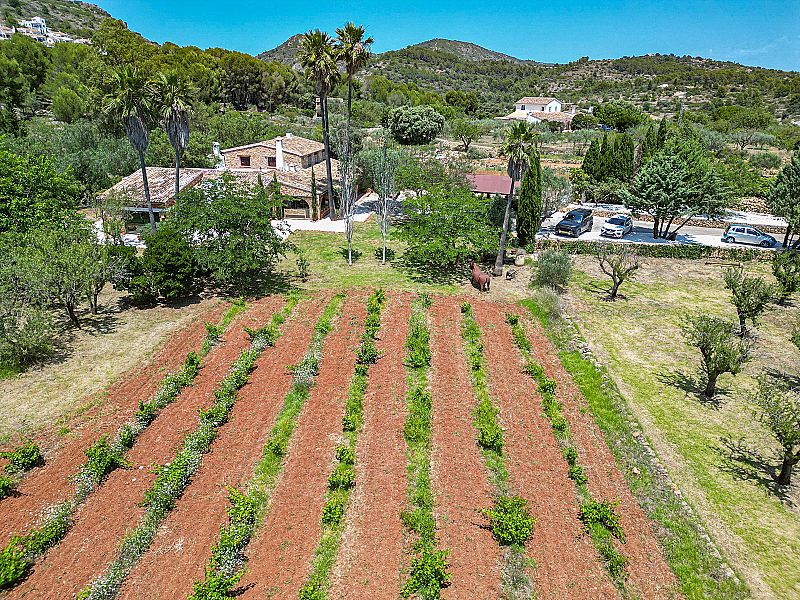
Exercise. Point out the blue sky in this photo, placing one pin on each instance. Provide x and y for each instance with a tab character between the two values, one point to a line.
761	33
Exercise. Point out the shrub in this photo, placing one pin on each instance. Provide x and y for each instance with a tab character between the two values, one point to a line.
415	124
766	160
548	301
13	565
333	511
571	455
345	454
615	562
102	460
577	474
6	486
553	270
311	591
216	586
367	353
342	478
167	267
509	520
428	574
23	457
603	513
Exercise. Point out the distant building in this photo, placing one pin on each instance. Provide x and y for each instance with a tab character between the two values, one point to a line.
535	109
36	28
36	24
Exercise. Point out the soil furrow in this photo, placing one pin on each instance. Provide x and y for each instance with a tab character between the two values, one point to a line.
114	509
459	479
650	575
52	483
280	556
567	565
370	556
180	551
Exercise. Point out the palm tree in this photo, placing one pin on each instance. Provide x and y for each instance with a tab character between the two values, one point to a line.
130	99
318	57
519	138
354	52
172	97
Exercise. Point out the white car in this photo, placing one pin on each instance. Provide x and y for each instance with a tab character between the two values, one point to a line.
617	226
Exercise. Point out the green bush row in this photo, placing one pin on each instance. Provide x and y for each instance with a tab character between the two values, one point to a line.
599	518
226	565
343	477
101	459
24	457
509	519
678	251
428	572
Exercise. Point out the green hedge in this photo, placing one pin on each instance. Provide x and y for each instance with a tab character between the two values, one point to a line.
680	251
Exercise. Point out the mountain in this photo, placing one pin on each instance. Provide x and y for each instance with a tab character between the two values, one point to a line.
286	53
69	16
468	51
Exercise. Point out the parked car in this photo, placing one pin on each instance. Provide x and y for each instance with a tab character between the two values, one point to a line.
738	233
575	222
617	226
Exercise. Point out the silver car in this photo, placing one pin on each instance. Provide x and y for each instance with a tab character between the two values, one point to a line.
617	226
738	233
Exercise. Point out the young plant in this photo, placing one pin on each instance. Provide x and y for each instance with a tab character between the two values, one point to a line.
510	521
23	458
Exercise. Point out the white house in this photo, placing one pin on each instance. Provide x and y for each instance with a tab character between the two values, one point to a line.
537	104
37	24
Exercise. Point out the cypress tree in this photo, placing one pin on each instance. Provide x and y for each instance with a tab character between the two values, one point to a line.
661	136
624	158
591	161
529	202
606	162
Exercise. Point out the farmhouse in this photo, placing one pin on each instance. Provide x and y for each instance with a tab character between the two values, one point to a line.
535	109
289	160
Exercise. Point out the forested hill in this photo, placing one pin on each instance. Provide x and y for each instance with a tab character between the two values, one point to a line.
77	18
658	83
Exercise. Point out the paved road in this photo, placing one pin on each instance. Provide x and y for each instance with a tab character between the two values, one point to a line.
643	232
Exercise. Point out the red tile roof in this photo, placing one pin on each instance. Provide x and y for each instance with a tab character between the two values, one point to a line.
482	183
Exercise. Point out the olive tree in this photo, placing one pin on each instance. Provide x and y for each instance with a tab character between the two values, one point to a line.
620	262
779	409
786	269
721	349
750	295
415	124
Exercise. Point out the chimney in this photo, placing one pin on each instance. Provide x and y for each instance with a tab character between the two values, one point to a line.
218	158
288	135
279	164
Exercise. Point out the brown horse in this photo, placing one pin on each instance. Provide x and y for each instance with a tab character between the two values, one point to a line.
479	279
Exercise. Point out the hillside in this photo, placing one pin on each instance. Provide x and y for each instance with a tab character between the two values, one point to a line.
468	51
78	18
286	53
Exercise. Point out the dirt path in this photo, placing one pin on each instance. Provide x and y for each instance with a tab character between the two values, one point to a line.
113	510
181	550
650	575
369	560
52	483
280	556
567	565
458	477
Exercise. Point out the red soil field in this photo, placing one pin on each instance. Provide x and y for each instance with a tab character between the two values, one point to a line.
650	575
182	548
459	478
113	510
375	547
51	483
371	554
567	565
280	556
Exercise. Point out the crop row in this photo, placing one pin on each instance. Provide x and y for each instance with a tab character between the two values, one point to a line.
343	478
428	573
600	518
509	518
227	563
173	478
102	458
21	459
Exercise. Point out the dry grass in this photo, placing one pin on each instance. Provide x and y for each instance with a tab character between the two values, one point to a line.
89	361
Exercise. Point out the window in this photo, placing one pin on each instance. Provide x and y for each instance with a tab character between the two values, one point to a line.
522	107
244	161
271	161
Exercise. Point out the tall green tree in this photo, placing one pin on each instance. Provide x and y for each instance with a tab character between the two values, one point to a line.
529	201
516	148
173	95
319	57
783	199
131	100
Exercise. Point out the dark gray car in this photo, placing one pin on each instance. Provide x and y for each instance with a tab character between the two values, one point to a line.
575	222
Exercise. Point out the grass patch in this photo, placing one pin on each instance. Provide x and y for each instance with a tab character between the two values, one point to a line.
342	479
701	571
248	509
509	519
